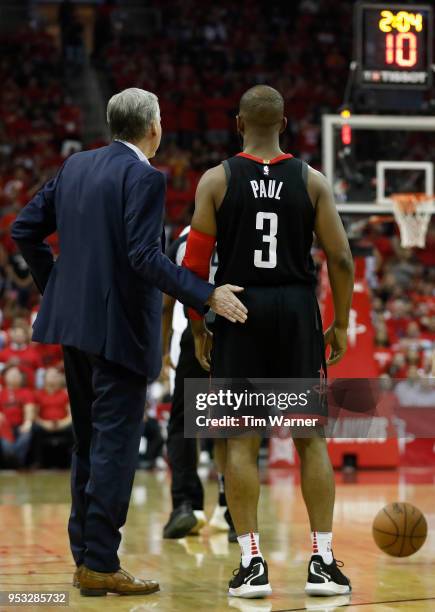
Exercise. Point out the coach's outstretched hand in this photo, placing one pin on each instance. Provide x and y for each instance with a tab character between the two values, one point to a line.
225	303
336	338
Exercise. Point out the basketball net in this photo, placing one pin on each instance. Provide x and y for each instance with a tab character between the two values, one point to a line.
412	212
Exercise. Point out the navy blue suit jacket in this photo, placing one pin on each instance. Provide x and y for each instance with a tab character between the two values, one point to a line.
103	293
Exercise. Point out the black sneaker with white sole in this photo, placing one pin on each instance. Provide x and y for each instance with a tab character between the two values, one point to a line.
326	580
180	523
251	581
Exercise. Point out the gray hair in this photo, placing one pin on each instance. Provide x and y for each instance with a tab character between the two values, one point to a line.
130	114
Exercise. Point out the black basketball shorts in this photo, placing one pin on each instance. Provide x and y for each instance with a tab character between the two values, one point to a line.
281	339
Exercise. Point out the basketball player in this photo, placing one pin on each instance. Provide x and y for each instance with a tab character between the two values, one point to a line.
262	207
187	516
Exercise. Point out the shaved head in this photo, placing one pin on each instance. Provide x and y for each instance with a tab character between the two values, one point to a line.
262	107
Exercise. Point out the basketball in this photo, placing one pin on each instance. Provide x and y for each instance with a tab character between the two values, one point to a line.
357	395
217	304
399	529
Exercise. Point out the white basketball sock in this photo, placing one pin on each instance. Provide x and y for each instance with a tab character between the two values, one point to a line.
322	545
250	547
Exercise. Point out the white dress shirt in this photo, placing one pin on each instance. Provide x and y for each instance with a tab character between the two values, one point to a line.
136	149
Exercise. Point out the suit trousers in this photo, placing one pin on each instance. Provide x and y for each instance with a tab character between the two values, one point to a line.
107	409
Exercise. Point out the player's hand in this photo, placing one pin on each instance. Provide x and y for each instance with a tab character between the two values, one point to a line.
225	303
203	340
336	338
167	366
167	362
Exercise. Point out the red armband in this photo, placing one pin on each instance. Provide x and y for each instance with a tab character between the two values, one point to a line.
199	250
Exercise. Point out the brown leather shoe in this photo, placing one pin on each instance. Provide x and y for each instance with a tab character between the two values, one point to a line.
95	584
76	577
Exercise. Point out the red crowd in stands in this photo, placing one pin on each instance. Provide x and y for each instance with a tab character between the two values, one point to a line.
403	290
207	56
34	405
37	124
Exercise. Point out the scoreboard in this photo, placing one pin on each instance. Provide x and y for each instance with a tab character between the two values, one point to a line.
394	45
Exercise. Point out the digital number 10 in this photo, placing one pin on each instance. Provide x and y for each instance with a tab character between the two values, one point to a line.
401	49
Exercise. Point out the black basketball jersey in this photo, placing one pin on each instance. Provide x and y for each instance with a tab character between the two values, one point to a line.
265	223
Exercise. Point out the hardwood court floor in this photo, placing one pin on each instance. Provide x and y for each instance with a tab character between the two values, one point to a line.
193	572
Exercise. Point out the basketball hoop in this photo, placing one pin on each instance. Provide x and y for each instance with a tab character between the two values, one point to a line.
412	212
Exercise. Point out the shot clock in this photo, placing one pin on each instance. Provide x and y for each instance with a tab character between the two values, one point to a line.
394	45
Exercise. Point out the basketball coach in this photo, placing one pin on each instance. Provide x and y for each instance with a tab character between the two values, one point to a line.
102	302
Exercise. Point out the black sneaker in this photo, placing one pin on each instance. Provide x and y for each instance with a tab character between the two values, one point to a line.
232	535
326	579
180	523
251	581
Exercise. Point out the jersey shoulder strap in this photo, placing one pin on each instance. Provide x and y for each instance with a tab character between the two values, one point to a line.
304	169
227	169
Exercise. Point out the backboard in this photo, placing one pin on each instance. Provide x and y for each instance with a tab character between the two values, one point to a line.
366	158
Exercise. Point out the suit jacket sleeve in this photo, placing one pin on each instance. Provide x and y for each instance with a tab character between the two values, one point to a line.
35	222
143	226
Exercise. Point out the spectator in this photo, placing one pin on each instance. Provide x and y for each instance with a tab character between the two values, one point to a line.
412	331
22	353
398	366
381	335
17	410
52	416
383	352
415	391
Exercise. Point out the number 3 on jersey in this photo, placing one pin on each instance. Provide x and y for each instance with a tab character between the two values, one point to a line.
270	260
